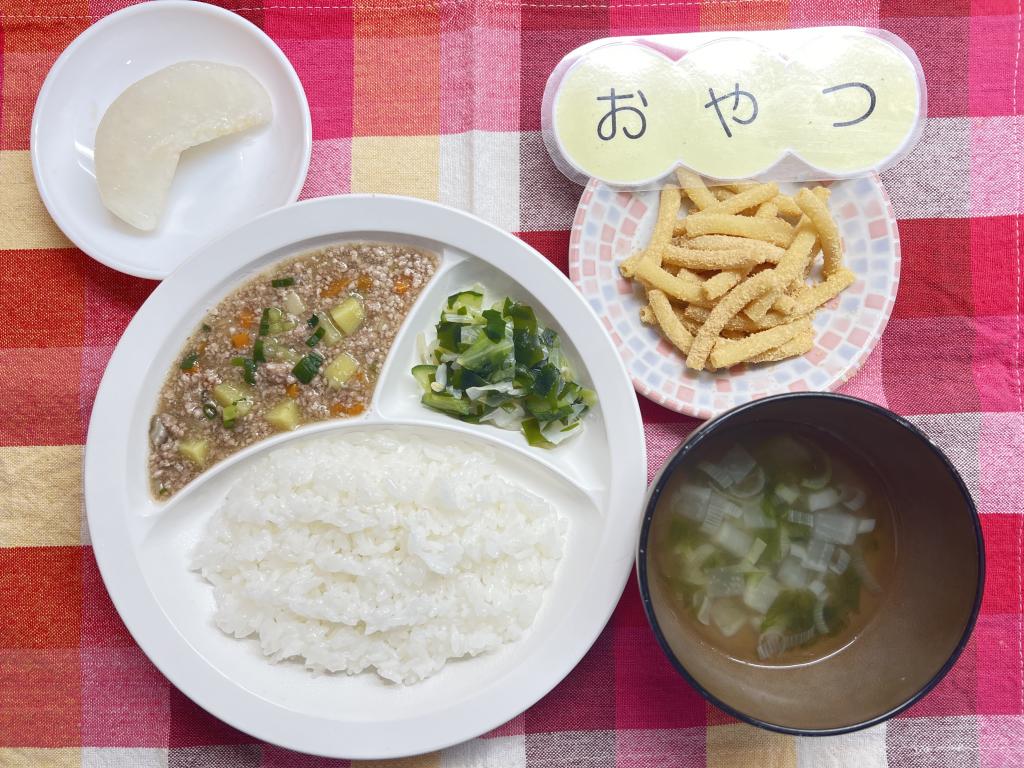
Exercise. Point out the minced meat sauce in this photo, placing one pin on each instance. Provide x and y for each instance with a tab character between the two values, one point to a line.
302	342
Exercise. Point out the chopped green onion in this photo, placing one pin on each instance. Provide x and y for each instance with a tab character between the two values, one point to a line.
248	368
189	361
283	282
265	322
209	410
313	340
313	321
259	354
307	367
205	328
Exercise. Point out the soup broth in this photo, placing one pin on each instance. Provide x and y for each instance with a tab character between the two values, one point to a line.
775	544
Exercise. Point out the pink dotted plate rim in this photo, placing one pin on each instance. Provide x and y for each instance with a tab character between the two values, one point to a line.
611	224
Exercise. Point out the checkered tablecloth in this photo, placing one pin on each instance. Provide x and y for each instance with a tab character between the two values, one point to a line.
442	101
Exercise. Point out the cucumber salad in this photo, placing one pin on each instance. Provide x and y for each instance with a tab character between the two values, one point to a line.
500	366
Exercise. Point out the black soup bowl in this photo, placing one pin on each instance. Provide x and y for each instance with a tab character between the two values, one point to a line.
922	620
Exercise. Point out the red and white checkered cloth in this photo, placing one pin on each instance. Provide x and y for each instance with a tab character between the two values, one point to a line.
442	100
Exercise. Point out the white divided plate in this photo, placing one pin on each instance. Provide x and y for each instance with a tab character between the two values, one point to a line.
611	225
597	480
218	185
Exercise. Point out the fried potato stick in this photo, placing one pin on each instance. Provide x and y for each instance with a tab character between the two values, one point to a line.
692	258
763	251
767	210
791	267
723	281
678	288
750	198
740	322
813	296
668	212
774	231
799	345
671	327
727	353
815	209
695	189
787	206
723	311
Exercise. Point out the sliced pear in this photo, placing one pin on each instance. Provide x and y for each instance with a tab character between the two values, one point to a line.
143	133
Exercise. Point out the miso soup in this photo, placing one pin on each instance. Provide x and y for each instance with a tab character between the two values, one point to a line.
775	544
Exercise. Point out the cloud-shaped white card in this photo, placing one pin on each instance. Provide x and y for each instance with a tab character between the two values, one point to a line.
836	104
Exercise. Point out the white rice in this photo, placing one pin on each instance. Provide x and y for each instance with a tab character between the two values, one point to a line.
368	551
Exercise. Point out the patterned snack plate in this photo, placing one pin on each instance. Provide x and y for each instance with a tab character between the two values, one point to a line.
610	225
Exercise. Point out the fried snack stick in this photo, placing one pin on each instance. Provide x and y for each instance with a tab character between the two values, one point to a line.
750	198
699	315
669	204
790	268
671	327
815	209
799	345
680	289
727	352
692	258
723	281
695	189
784	304
761	250
735	300
767	210
773	231
813	296
787	206
740	186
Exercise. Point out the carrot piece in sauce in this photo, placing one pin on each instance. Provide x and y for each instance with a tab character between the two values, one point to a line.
240	340
292	390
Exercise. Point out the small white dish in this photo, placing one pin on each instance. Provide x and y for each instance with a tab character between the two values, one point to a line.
218	186
596	480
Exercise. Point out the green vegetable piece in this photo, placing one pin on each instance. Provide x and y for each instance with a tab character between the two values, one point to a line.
495	325
463	379
844	599
465	300
226	394
341	369
209	410
205	328
424	375
235	411
313	321
547	380
792	612
588	397
332	335
533	435
259	354
484	356
348	315
529	350
522	318
283	282
189	361
315	337
457	406
449	335
307	367
284	416
274	350
194	450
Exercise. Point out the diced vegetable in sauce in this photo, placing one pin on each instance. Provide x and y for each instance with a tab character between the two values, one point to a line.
299	343
499	366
